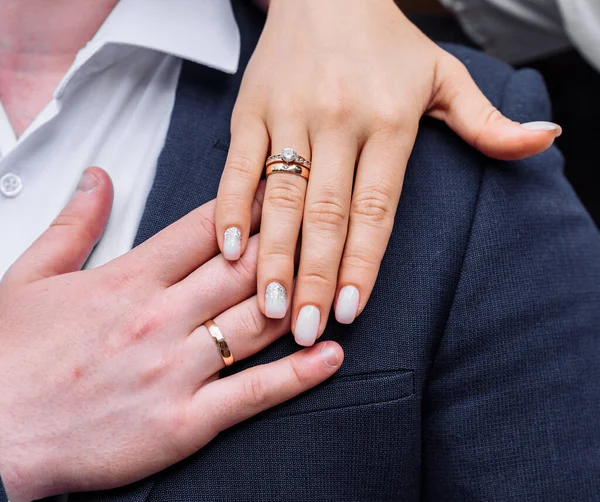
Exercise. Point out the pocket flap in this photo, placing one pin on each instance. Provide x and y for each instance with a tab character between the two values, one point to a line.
349	390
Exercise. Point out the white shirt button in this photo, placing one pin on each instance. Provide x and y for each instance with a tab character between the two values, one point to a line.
11	185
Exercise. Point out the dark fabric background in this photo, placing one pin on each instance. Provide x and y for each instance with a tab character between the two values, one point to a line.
573	88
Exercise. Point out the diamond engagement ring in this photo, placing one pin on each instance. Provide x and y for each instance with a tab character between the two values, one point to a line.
289	156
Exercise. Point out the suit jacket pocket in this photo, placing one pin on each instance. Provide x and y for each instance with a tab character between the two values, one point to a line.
348	391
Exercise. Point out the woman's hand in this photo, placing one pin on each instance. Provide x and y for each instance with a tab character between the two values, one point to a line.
109	375
346	82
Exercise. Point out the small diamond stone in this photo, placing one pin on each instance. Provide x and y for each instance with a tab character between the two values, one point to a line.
288	154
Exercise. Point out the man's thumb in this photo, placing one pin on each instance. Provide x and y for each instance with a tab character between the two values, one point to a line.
459	102
69	240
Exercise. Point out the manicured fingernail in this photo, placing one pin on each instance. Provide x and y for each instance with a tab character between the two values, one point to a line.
543	126
275	301
329	355
307	325
88	182
232	244
347	305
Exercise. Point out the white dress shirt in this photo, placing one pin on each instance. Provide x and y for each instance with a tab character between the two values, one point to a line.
112	110
522	30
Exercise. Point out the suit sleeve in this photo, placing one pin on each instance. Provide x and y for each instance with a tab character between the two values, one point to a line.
512	406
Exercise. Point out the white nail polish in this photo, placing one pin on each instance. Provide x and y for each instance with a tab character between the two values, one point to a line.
232	244
307	325
275	301
542	126
347	305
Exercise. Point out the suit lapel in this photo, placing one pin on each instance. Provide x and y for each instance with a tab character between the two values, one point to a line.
190	165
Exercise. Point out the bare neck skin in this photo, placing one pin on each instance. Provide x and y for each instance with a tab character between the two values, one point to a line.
38	42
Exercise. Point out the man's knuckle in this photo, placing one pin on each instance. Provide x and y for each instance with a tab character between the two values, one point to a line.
145	325
327	213
299	374
73	223
176	424
252	322
118	275
66	219
156	369
202	227
176	421
244	270
255	390
259	196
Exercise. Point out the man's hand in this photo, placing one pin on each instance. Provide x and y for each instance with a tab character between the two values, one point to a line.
108	375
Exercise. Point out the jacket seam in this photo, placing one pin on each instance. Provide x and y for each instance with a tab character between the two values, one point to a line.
462	264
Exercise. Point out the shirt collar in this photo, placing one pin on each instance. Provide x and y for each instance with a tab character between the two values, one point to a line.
202	31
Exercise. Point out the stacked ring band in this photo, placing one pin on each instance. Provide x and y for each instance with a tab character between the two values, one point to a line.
288	168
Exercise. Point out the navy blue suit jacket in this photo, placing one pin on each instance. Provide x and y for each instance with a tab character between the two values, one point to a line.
474	372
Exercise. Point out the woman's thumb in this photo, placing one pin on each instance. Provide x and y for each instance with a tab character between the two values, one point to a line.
459	102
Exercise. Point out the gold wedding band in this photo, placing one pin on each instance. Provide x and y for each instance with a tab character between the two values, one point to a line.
219	339
288	168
